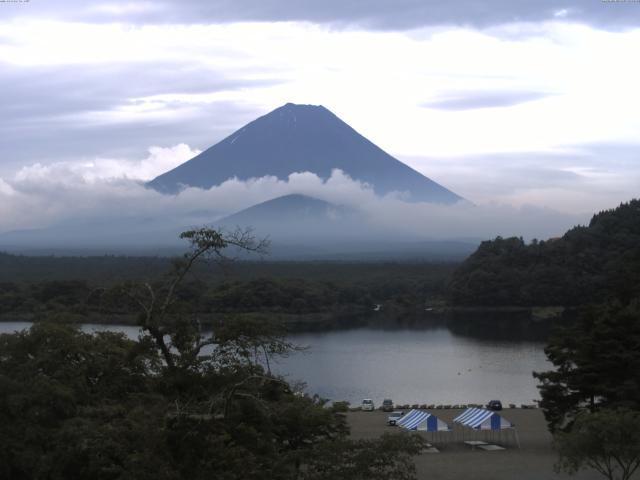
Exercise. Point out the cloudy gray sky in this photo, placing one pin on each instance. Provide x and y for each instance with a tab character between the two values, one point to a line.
505	102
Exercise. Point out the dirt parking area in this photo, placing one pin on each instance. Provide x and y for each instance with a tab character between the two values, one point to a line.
533	461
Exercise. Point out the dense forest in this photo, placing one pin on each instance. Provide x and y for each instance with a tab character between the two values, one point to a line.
90	289
588	264
110	269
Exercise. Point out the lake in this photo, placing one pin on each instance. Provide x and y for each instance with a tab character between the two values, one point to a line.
429	366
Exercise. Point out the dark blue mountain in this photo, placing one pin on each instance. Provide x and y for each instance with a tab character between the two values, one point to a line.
302	227
293	207
299	218
299	138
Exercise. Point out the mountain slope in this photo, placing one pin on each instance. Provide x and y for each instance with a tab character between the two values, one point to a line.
303	227
299	219
587	264
298	138
294	207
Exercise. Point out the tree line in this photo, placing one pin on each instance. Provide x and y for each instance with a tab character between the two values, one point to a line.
78	298
587	264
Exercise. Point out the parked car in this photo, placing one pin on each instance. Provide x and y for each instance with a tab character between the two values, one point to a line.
494	405
387	405
394	417
367	405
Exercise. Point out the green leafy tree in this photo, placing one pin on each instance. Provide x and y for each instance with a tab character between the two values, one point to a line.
63	392
157	301
176	403
607	441
386	458
597	364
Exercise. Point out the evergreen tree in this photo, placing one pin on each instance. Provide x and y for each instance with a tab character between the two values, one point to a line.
597	363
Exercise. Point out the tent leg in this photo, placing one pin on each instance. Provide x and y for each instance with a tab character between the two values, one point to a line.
517	439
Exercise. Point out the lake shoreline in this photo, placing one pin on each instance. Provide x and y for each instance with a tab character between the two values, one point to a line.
507	319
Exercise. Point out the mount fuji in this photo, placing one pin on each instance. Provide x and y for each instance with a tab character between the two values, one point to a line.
302	138
290	139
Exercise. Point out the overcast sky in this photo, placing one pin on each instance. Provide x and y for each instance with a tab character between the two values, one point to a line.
504	102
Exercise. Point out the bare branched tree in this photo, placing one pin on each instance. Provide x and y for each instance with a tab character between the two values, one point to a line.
156	300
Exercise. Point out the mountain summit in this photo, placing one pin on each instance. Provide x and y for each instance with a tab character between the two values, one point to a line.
301	219
301	138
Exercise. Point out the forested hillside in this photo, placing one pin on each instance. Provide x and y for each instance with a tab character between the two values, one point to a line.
587	264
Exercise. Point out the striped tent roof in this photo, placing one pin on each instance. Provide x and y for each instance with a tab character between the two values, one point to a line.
424	421
481	419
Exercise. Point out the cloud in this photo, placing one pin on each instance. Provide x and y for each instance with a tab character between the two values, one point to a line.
123	9
101	170
61	112
574	178
374	14
107	196
62	90
5	188
115	88
94	85
476	100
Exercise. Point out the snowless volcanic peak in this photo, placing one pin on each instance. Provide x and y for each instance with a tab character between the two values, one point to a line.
301	138
303	219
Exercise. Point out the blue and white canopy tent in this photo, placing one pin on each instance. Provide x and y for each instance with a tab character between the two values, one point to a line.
422	421
479	419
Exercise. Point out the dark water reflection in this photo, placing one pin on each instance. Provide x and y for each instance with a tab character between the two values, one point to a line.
416	366
447	365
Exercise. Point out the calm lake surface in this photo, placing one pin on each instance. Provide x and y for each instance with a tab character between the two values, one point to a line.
410	366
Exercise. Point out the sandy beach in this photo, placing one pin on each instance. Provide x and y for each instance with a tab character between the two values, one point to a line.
533	461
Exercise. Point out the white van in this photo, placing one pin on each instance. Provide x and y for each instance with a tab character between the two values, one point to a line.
367	405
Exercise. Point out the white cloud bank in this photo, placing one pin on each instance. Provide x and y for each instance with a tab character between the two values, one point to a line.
112	192
100	170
